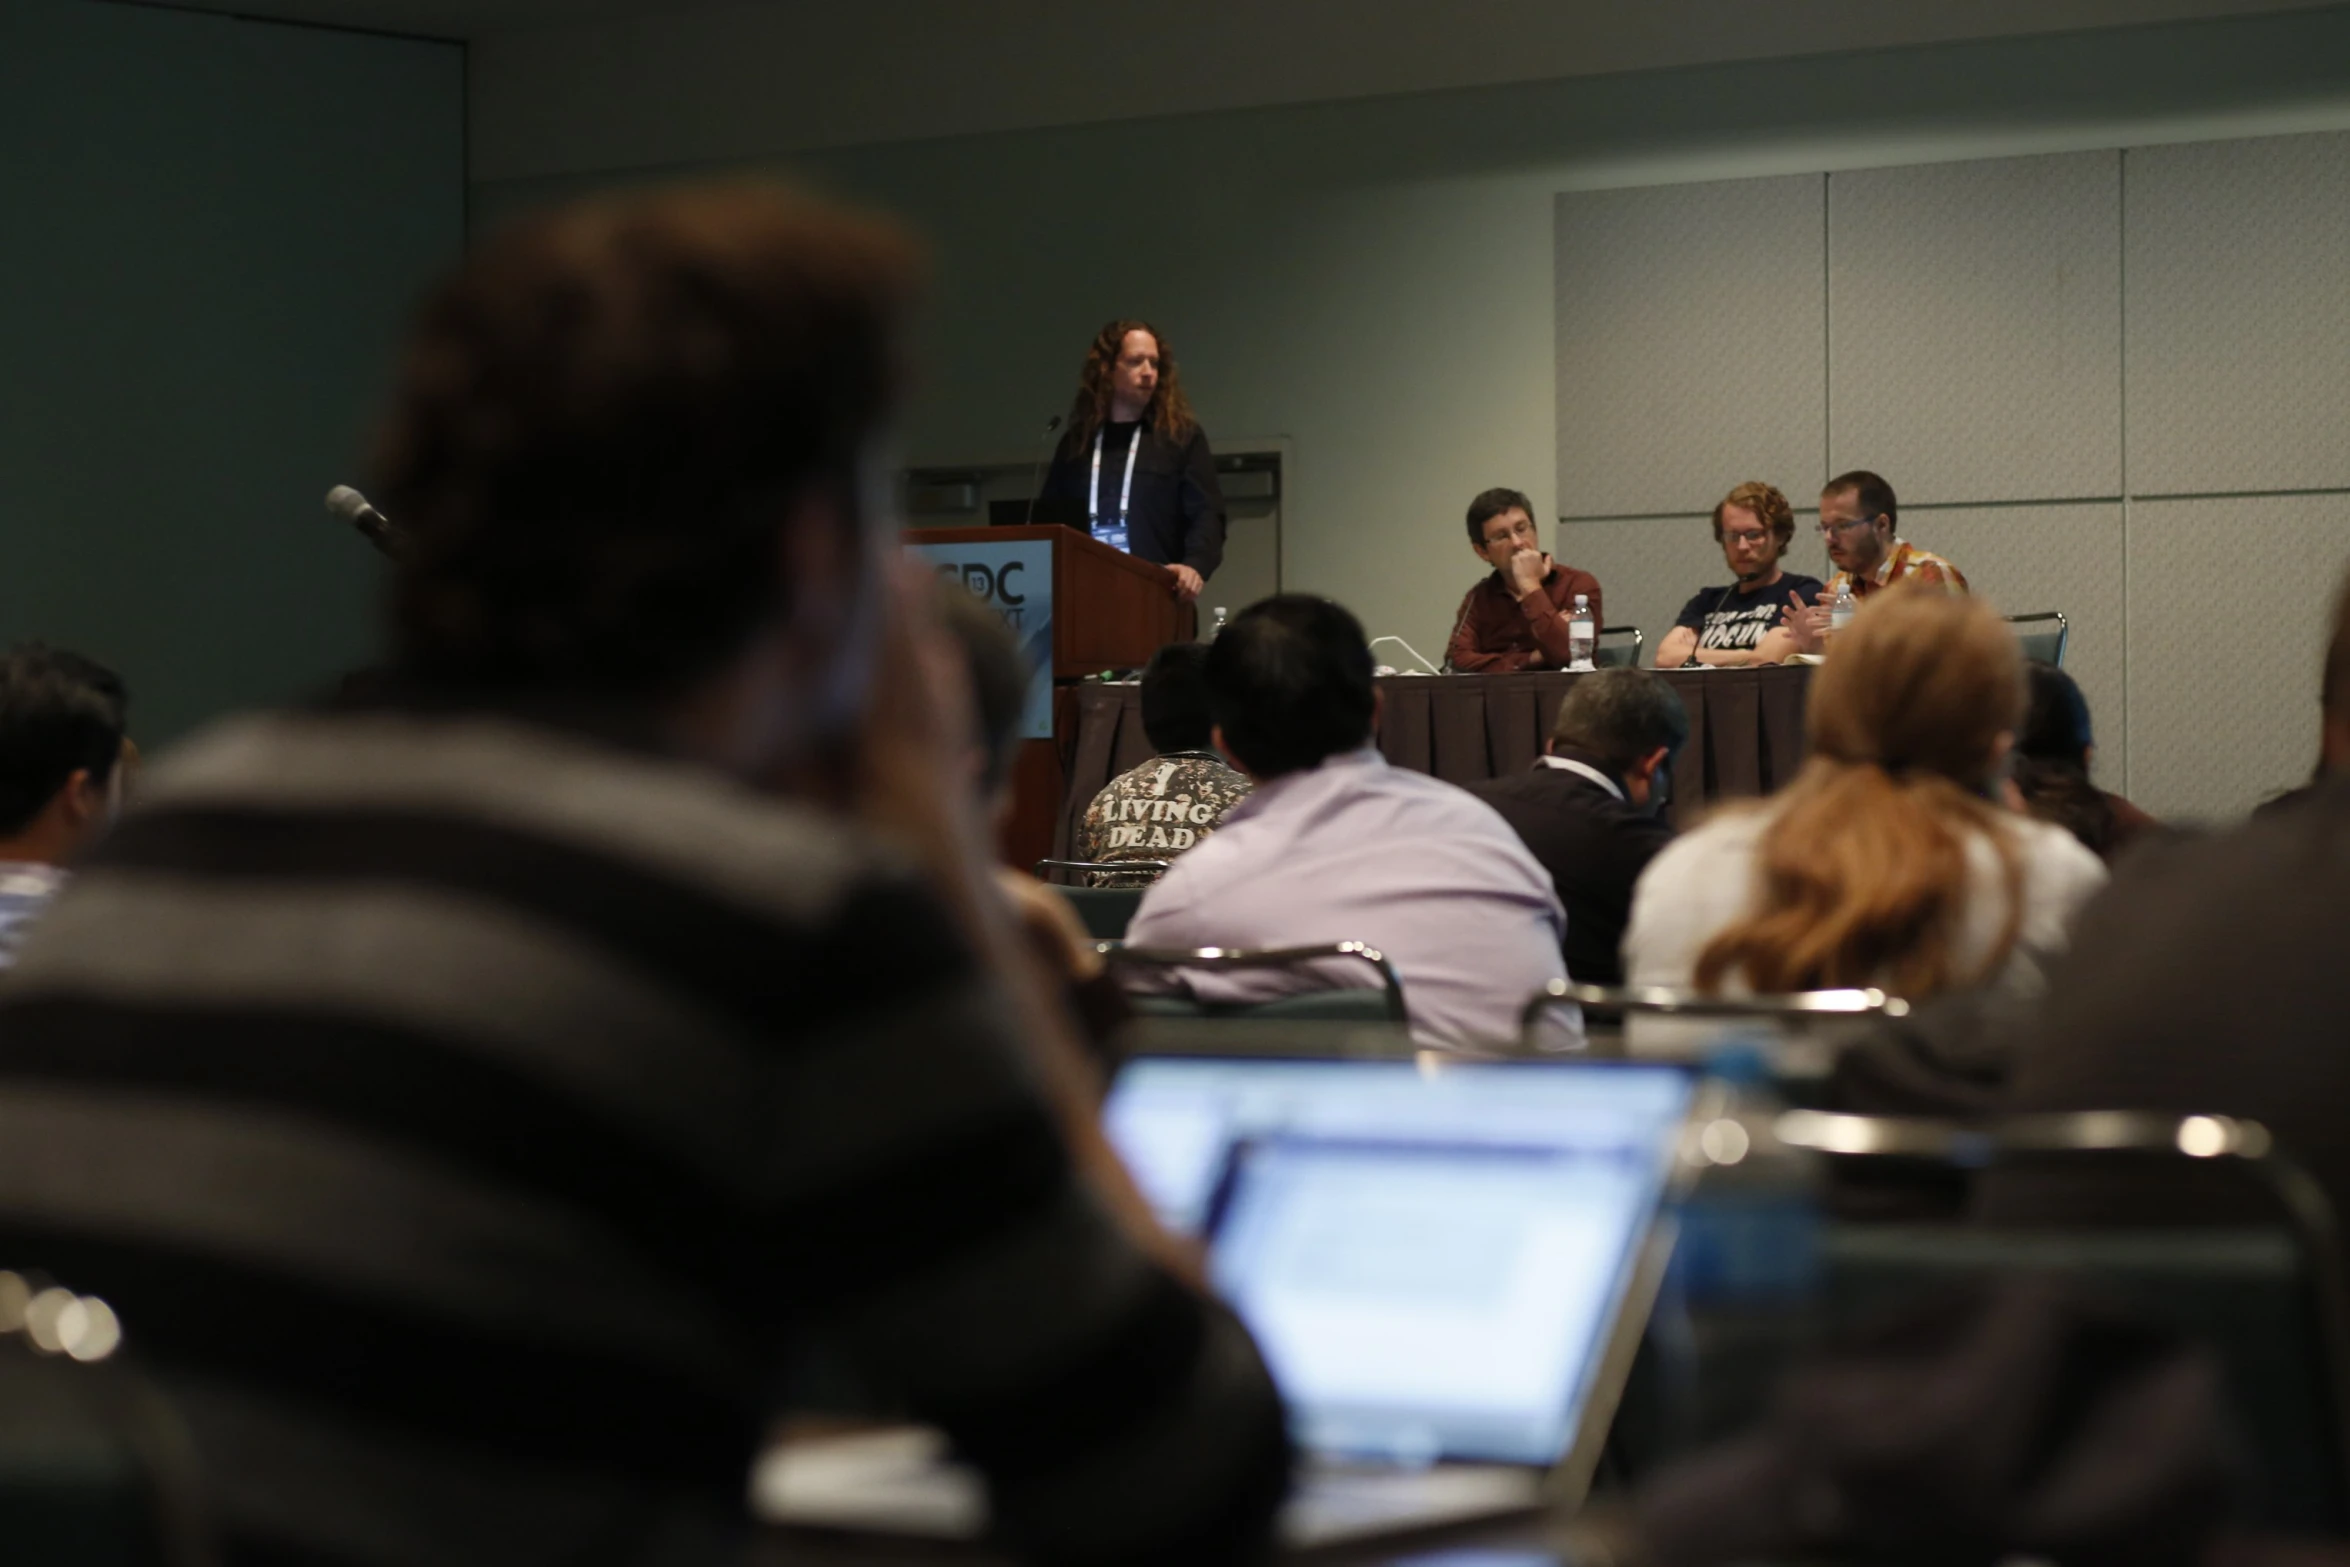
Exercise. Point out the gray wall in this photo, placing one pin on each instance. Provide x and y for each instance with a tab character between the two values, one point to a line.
2109	383
1374	280
213	230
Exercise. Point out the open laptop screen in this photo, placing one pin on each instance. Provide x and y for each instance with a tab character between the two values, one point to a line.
1432	1263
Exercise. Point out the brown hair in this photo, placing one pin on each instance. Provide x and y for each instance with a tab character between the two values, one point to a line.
2333	692
1863	877
1770	508
605	416
1870	493
1169	412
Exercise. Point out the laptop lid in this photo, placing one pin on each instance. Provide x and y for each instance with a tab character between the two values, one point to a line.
1452	1263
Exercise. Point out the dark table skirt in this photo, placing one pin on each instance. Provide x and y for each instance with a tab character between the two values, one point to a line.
1745	731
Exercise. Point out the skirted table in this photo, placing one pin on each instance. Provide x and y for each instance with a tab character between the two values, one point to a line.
1745	731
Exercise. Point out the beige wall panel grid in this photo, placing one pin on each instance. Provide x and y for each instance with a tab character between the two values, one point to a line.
2237	256
2230	604
2025	559
1690	330
1975	327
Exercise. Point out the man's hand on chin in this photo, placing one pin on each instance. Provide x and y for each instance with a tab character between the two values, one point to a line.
1527	569
1187	582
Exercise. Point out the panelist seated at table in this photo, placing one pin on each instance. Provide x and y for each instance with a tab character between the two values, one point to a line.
1336	845
1740	624
1134	456
1859	522
1516	618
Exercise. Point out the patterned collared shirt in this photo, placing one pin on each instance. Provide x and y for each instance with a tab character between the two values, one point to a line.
1158	810
1905	563
25	890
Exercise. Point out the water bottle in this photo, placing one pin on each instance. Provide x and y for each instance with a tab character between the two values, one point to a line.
1840	612
1582	634
1216	623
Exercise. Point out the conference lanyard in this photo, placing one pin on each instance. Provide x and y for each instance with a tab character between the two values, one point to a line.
1111	533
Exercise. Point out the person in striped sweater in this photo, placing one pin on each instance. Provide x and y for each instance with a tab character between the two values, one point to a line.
475	1093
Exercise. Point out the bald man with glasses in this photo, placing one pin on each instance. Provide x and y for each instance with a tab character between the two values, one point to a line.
1858	517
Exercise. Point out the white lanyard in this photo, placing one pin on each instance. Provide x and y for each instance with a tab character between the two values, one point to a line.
1567	764
1093	488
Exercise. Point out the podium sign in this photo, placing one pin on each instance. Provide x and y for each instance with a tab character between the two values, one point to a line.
1015	579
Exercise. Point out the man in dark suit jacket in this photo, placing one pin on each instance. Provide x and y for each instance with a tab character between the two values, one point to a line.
1590	807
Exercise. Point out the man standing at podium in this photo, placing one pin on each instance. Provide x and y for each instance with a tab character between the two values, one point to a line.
1136	458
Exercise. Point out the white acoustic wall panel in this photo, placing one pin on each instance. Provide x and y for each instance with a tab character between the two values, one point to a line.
2025	559
2230	604
1975	327
2238	266
1690	334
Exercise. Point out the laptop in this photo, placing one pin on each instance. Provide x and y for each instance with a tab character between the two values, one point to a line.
1447	1269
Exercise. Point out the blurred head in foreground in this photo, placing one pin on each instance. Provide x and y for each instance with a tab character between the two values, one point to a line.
633	445
1864	872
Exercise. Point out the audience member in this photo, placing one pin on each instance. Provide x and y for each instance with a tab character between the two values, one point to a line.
1335	845
2053	753
1859	520
1516	616
63	754
998	676
475	1095
1885	862
1591	806
1159	809
2207	981
2333	718
1739	623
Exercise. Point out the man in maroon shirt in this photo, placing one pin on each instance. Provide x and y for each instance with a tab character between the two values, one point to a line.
1516	618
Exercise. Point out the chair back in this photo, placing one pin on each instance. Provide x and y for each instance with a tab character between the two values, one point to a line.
1105	893
94	1467
1792	1022
2042	636
1617	647
1380	1001
2266	1297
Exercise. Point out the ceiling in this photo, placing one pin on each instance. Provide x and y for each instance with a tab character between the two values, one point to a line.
480	18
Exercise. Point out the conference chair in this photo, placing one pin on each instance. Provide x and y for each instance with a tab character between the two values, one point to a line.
2267	1296
95	1468
2042	636
1380	1001
1618	647
1799	1031
1104	911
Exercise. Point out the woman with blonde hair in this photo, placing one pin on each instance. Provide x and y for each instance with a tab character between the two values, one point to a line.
1891	860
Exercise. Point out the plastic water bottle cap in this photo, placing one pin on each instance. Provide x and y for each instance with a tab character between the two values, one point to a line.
1582	601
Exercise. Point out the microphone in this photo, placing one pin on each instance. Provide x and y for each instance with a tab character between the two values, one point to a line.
1408	648
1036	479
354	509
1458	621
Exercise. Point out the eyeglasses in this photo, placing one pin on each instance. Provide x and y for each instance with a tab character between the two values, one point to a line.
1749	540
1831	529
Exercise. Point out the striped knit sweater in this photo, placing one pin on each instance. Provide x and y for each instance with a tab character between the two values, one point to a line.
471	1119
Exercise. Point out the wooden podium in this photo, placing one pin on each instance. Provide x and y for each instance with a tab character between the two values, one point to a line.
1108	611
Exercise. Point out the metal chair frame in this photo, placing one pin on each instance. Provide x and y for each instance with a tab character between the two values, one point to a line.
2064	629
1680	1001
1390	981
1086	867
2308	1212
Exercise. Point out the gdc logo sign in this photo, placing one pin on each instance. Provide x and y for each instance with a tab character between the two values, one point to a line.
995	584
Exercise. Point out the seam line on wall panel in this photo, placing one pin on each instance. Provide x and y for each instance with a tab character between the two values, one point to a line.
2240	495
2012	502
1635	516
1827	331
2121	291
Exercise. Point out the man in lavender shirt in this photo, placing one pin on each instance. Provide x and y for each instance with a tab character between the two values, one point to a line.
1335	845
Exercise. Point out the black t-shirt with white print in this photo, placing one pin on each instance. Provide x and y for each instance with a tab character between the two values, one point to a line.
1729	621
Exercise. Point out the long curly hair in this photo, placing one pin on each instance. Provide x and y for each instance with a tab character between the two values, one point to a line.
1169	412
1863	877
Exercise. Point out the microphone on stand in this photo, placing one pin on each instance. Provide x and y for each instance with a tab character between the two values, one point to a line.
355	509
1036	479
